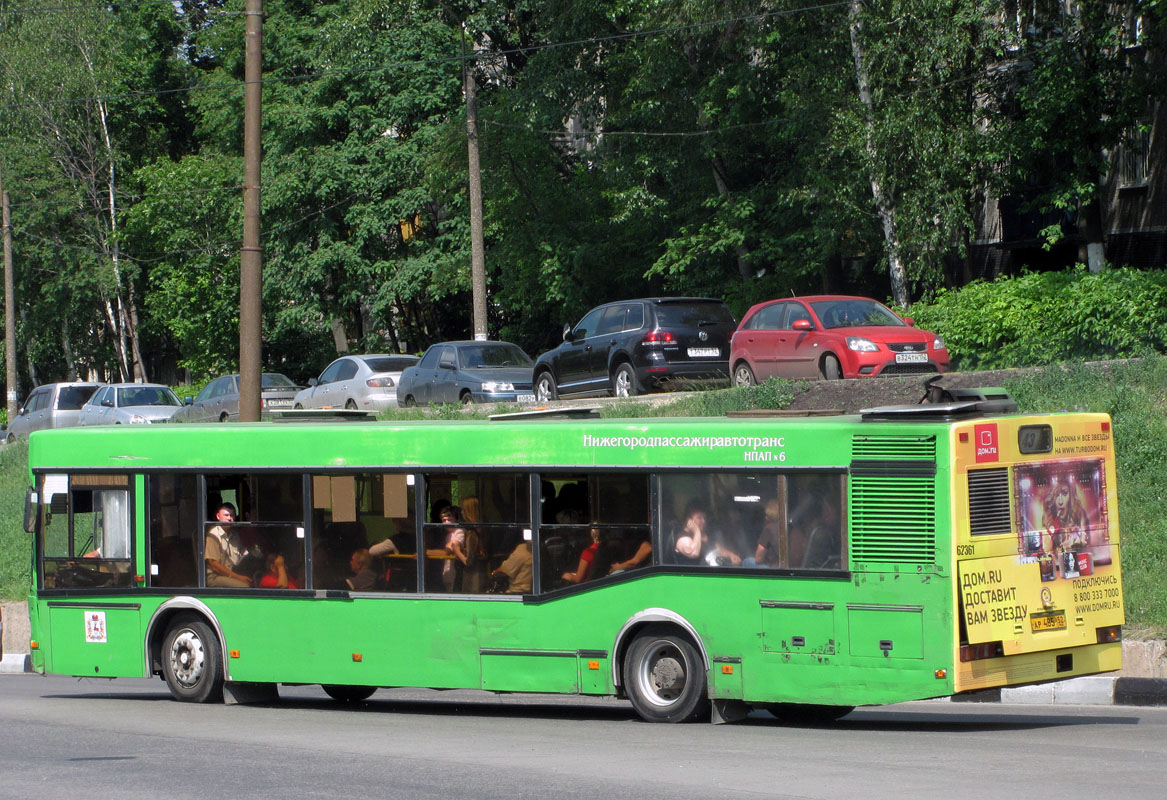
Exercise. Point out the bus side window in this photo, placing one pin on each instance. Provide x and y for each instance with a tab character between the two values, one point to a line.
89	545
174	528
815	527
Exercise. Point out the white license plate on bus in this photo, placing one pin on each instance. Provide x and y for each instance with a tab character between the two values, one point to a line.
704	352
525	398
1048	621
911	358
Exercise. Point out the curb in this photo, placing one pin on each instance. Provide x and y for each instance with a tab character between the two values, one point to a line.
1092	690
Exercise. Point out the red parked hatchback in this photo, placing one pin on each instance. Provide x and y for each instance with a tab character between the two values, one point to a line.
830	336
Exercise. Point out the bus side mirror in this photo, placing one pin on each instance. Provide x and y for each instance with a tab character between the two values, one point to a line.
31	505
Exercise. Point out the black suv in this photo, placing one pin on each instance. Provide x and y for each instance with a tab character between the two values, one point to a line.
636	345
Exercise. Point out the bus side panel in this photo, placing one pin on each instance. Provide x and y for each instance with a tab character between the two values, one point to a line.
96	639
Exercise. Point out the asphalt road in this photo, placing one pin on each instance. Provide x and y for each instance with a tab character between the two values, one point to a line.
63	737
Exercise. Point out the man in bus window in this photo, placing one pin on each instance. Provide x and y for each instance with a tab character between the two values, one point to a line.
223	553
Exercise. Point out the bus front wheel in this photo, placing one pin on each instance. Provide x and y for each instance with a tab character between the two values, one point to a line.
192	662
665	678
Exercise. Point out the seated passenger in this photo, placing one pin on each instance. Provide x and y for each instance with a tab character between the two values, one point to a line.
769	550
643	553
583	570
277	576
517	569
692	540
223	552
363	579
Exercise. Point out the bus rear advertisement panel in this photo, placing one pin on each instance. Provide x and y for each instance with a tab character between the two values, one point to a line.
865	559
1038	564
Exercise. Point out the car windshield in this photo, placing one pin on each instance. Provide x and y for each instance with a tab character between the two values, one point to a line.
693	314
73	397
146	396
855	313
484	356
390	363
274	380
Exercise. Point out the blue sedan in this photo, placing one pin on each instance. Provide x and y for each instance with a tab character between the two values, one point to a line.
468	372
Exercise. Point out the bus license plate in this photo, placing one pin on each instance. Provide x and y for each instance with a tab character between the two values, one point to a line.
1048	621
525	398
704	352
911	358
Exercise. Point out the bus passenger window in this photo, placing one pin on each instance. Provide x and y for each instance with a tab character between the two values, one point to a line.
364	533
593	526
476	521
815	521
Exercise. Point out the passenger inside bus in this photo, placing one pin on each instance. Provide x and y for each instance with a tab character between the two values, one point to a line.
223	552
363	579
517	569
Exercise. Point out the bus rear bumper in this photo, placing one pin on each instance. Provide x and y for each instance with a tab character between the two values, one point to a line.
1041	667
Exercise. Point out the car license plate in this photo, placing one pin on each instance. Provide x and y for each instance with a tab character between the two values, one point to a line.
525	398
911	358
704	352
1048	621
279	403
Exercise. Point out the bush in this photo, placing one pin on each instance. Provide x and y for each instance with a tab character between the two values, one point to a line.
15	544
1047	318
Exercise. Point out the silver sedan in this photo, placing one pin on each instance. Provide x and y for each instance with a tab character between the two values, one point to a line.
130	404
364	383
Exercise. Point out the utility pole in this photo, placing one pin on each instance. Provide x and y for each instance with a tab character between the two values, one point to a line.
477	250
9	306
251	256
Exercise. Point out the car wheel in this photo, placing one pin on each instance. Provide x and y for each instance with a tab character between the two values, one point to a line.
465	398
191	661
664	677
409	402
545	390
831	369
299	406
624	381
743	376
351	405
223	417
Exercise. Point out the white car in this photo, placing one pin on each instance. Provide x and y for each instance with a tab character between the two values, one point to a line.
130	404
362	383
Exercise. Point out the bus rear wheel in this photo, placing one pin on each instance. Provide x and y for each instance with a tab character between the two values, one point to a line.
807	714
192	662
665	678
348	694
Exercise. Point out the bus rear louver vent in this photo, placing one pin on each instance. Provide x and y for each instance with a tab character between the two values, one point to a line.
988	501
893	499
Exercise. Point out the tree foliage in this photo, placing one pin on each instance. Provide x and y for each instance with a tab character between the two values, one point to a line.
675	147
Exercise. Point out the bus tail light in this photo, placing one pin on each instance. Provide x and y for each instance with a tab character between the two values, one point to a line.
1111	634
977	652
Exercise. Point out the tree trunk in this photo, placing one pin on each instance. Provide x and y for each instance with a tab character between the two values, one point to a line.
67	351
339	336
884	204
1091	229
722	183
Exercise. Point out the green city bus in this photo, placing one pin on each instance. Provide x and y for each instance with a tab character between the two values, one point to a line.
697	567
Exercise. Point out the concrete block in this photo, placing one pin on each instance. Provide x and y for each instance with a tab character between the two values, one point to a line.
1144	659
1033	695
1140	691
16	628
14	663
1092	690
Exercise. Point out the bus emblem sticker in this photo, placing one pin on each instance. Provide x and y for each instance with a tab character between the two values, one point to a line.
95	626
986	439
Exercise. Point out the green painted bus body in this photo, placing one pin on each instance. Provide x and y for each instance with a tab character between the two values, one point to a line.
878	631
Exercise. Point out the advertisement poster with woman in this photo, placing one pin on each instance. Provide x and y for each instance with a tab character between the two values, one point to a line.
1062	516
